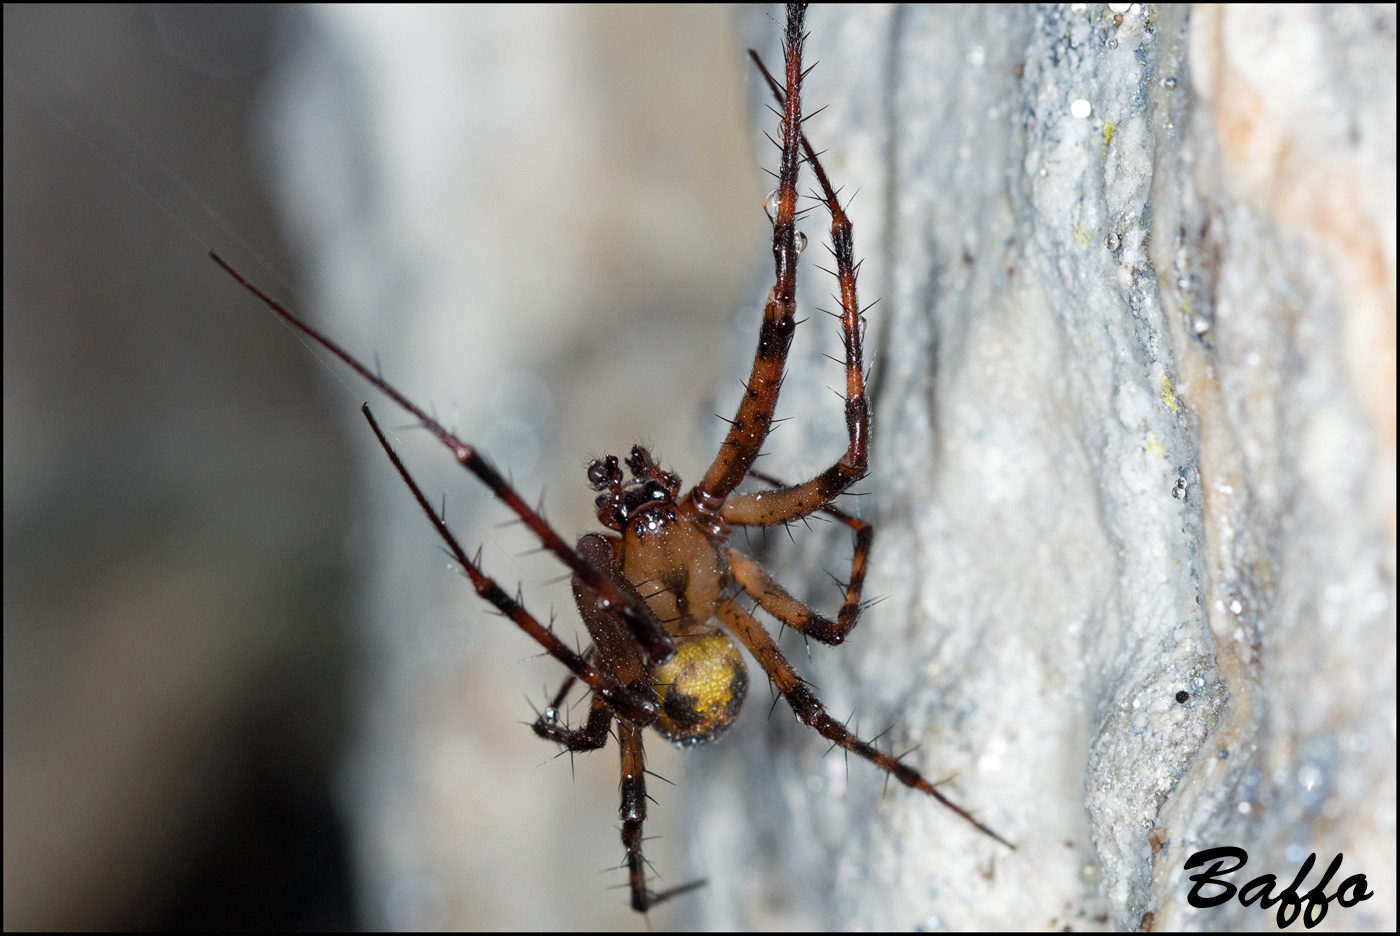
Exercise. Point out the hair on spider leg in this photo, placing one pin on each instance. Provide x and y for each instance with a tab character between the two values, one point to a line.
777	696
888	728
847	723
911	750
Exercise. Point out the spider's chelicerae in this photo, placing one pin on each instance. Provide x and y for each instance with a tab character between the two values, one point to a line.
659	593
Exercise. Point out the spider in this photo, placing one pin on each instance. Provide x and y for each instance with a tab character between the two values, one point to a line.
659	591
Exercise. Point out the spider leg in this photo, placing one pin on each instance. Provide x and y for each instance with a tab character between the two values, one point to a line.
759	584
634	814
751	423
625	700
568	683
594	733
592	736
557	702
797	501
811	712
655	641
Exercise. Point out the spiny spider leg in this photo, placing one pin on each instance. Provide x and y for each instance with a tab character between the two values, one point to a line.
634	815
790	503
759	584
811	712
754	418
655	641
552	708
625	700
594	733
591	737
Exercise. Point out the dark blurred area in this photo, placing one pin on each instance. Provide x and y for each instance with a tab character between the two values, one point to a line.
175	668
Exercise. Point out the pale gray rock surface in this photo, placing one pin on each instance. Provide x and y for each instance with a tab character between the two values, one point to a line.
1134	422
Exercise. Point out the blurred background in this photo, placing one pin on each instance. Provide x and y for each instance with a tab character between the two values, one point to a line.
241	687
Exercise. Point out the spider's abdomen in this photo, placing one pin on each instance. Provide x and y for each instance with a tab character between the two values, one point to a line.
702	688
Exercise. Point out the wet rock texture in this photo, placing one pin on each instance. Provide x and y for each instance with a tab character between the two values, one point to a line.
1133	478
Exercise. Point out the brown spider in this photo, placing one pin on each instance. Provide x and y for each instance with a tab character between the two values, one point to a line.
652	590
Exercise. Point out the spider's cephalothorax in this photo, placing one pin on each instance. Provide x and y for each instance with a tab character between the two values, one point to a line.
660	592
